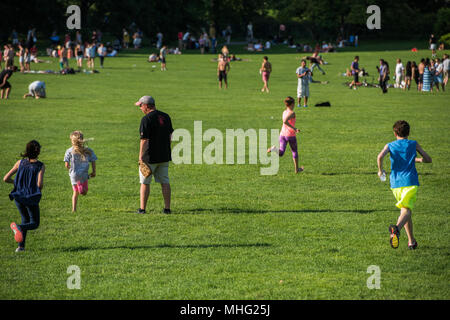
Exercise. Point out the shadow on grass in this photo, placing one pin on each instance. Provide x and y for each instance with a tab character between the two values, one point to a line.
168	246
263	211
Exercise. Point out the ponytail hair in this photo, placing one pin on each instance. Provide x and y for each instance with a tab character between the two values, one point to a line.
32	151
78	144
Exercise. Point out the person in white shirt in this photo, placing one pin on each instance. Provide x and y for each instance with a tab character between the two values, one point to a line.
399	71
446	69
438	74
36	89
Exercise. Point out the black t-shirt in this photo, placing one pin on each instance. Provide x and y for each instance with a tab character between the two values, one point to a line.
4	73
433	40
156	126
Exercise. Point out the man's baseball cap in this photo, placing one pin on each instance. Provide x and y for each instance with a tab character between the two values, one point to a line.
146	100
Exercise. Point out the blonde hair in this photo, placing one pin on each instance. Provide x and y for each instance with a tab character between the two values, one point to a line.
78	144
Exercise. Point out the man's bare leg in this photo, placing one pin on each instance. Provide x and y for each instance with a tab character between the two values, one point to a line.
144	194
166	191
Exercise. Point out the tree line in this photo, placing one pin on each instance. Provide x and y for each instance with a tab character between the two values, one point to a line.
306	19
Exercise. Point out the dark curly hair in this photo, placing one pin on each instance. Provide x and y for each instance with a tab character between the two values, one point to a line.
32	150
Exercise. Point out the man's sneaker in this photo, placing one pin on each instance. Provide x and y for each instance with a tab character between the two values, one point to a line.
299	106
167	211
305	106
412	246
140	211
394	237
20	249
17	233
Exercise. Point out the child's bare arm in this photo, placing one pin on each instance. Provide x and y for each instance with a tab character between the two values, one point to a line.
40	182
93	173
425	157
7	177
67	164
380	158
292	115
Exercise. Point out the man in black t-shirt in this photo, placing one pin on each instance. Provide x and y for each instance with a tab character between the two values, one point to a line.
4	84
156	133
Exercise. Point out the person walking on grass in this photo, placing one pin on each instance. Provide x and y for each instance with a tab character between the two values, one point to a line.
76	160
439	74
408	75
355	73
421	69
446	70
154	151
304	76
162	58
5	86
288	134
101	51
404	180
79	56
399	73
27	191
384	75
223	67
265	70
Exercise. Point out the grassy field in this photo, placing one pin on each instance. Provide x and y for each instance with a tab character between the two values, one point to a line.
233	234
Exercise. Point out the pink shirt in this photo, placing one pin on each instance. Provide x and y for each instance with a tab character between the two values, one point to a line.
285	130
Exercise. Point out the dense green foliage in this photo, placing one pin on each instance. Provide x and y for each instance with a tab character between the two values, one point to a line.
317	19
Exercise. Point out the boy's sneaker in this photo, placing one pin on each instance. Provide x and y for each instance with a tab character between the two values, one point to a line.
299	106
412	246
305	106
140	211
20	249
167	211
18	236
395	235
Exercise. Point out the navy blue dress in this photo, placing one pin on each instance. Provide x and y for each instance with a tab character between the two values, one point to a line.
25	189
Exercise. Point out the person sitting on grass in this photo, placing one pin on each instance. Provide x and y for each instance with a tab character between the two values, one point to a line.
404	179
36	89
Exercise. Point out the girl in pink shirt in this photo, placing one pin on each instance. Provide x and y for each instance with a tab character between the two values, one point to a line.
288	134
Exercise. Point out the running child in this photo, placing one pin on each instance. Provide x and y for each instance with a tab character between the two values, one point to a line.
288	134
77	159
404	179
28	184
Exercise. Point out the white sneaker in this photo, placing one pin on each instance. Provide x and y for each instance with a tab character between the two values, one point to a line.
274	149
20	249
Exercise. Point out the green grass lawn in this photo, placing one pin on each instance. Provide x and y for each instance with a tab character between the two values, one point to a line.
233	234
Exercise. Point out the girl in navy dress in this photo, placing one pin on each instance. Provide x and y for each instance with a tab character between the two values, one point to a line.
27	194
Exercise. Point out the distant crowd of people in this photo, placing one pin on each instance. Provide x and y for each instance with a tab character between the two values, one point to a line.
428	74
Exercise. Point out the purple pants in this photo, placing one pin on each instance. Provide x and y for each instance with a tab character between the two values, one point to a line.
292	143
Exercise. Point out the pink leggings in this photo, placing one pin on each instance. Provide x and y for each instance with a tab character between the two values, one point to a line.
292	143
